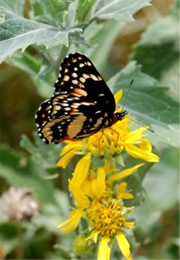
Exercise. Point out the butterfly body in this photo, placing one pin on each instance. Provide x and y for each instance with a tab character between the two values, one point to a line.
82	103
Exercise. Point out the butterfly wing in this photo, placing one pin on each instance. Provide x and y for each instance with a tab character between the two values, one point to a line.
82	103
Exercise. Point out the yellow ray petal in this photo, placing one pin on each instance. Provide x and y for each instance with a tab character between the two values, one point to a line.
72	223
94	236
122	187
129	224
145	145
81	198
135	135
104	250
138	153
98	185
118	96
64	161
125	173
71	146
80	173
123	245
127	196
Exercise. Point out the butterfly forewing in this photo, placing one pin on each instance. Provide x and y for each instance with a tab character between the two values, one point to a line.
82	103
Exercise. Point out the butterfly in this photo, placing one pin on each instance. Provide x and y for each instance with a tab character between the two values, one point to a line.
82	103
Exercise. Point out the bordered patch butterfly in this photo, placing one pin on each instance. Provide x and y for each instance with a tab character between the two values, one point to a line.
82	103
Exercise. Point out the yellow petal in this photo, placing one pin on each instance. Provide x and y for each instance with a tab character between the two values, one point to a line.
94	236
80	173
123	186
145	145
71	146
68	152
87	189
129	224
123	245
104	250
127	196
108	167
138	153
118	96
125	173
81	198
72	223
98	185
64	161
135	135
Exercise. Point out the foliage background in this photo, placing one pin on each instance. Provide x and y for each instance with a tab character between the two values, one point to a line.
146	50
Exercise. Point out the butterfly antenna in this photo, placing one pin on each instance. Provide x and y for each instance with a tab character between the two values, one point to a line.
130	86
138	123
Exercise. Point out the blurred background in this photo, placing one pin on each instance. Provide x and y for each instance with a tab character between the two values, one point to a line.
157	237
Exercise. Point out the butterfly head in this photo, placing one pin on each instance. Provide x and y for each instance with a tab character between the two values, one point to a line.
118	116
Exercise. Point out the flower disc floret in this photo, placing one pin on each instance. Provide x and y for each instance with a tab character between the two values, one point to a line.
106	216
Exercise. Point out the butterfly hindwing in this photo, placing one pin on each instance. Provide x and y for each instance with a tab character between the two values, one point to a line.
82	103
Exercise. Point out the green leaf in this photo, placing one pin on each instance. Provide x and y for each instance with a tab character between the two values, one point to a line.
105	37
51	12
8	237
17	32
135	180
97	35
41	73
16	6
161	185
149	102
43	157
117	9
20	172
170	77
174	10
158	48
83	8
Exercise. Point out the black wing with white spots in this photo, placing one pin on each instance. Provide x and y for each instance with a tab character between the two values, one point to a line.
82	103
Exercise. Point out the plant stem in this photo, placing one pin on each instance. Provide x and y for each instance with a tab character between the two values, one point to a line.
19	250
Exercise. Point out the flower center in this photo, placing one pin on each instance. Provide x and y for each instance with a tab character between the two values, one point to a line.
105	216
109	140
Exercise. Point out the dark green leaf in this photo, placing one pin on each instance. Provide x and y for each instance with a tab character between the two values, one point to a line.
158	48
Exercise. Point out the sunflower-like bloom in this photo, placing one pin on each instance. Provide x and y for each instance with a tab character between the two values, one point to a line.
114	140
99	199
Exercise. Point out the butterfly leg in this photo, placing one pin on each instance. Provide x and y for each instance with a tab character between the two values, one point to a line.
99	141
117	136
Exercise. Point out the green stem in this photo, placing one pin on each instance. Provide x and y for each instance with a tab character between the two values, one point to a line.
19	250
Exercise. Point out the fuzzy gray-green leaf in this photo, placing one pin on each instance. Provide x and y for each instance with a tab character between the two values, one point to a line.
117	9
17	32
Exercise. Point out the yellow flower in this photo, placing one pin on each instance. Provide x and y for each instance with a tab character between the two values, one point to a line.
114	140
102	207
122	192
68	152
